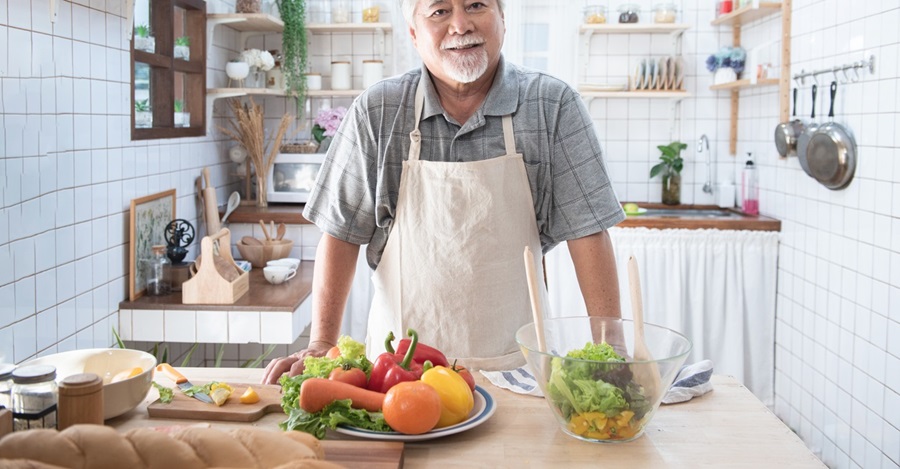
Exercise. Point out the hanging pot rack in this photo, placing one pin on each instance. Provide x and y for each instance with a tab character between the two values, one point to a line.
855	67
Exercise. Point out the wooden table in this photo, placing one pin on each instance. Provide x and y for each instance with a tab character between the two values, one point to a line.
728	427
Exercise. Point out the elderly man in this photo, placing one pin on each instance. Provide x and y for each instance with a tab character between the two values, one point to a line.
448	173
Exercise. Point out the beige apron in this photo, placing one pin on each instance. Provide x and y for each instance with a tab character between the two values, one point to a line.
452	268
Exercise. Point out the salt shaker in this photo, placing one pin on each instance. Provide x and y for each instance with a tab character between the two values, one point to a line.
80	400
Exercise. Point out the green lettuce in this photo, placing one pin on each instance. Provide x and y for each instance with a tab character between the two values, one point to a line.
334	414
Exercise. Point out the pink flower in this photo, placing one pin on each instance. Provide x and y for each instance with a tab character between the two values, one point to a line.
327	122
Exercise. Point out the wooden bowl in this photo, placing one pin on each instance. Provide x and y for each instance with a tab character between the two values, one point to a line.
269	250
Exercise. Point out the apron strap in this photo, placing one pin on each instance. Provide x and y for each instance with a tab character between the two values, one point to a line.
509	138
415	137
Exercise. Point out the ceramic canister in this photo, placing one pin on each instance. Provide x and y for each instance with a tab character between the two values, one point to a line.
373	72
313	81
340	75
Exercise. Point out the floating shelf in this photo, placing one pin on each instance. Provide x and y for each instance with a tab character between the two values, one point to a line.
232	92
257	22
635	94
748	14
347	27
745	84
651	28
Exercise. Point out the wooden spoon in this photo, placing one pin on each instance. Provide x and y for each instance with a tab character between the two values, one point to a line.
265	230
645	374
281	230
251	241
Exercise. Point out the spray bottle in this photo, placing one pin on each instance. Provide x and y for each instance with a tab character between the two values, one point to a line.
750	187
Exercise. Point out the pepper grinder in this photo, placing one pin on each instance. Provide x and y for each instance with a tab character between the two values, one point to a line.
80	400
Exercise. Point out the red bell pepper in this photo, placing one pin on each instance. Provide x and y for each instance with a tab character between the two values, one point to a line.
424	353
392	368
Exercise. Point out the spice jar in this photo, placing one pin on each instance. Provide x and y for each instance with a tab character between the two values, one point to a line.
595	14
628	13
34	397
340	75
80	400
371	12
664	13
158	272
6	371
340	11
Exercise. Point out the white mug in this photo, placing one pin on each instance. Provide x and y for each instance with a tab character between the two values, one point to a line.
291	262
277	274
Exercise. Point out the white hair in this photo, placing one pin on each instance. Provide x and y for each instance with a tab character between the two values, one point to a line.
408	6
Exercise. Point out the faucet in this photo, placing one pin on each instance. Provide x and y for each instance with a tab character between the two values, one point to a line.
703	145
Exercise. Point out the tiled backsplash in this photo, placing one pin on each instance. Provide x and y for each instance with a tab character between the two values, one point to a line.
69	170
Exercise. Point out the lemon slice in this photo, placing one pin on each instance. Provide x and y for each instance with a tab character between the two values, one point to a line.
250	396
125	374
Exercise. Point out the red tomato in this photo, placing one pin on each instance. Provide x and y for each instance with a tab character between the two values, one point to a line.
466	375
333	352
353	376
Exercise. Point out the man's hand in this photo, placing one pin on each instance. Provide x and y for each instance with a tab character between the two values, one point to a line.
293	364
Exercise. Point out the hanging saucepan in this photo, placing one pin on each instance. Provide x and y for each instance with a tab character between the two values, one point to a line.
831	154
803	138
786	133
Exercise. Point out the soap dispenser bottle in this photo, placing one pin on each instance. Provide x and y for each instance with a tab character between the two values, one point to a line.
750	188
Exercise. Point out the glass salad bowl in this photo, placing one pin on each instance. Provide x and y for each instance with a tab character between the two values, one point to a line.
595	388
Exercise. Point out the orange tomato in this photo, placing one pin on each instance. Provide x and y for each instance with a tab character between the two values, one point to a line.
412	407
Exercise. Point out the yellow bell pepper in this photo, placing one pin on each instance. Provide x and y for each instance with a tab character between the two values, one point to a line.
456	397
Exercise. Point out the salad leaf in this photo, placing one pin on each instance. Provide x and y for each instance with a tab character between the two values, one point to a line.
165	394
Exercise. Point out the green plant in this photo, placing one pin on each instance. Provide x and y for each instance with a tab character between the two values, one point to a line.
670	159
142	30
142	105
179	105
183	41
294	48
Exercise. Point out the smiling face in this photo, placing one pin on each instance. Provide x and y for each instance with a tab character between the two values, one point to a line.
459	40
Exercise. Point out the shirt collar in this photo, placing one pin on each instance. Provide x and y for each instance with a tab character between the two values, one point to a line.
502	99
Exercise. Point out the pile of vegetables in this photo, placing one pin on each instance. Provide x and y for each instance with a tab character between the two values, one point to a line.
411	390
598	400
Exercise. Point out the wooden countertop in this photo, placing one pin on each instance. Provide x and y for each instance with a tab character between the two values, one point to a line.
728	427
289	214
262	295
740	221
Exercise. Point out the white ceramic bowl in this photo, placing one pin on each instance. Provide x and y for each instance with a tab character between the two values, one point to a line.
291	262
278	274
119	397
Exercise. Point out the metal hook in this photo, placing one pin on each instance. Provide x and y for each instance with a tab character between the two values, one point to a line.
846	77
855	75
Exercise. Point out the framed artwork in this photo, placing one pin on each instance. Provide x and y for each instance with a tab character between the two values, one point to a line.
149	217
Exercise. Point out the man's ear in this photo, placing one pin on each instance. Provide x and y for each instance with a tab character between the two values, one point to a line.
412	35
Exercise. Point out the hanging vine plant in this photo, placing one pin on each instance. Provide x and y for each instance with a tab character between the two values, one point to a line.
294	49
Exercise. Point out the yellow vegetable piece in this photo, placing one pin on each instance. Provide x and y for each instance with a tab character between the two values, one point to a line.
220	394
216	385
456	397
250	396
125	374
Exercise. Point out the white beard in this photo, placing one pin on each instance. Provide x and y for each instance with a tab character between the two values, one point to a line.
467	69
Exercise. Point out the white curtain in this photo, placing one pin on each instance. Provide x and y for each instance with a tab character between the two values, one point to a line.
717	287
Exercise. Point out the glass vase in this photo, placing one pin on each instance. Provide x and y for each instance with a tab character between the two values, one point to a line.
671	189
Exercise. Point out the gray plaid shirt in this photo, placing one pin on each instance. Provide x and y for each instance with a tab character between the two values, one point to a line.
355	197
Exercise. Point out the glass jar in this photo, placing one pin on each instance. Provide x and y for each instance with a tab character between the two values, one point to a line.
34	397
340	11
6	371
317	11
594	14
664	13
628	13
159	272
371	11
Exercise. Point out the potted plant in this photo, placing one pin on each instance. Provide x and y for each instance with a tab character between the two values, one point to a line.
183	48
143	116
669	168
237	70
182	119
143	40
726	64
325	126
294	49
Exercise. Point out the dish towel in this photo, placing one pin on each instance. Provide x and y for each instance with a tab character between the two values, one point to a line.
691	381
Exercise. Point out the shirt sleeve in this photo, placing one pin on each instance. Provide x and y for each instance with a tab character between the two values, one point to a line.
342	203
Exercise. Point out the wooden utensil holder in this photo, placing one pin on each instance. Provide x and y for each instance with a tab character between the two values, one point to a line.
209	286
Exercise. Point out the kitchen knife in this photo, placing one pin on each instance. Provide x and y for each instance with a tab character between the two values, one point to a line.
182	382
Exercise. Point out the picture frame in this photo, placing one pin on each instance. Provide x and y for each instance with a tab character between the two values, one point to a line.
149	216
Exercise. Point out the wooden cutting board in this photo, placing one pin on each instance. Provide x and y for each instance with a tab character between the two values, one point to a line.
184	407
367	454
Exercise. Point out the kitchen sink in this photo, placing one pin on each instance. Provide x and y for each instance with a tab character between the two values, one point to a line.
691	213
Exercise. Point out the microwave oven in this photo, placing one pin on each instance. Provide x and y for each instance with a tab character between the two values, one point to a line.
293	176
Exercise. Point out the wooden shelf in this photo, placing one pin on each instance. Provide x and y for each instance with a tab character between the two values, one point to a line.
232	92
635	94
347	27
244	22
747	14
650	28
745	84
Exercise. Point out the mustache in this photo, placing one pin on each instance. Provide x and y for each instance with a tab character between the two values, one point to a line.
464	41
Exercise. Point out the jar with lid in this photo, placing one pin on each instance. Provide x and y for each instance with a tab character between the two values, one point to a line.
6	371
664	13
628	13
275	77
34	397
340	75
158	272
594	14
340	11
313	81
371	11
80	400
373	72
